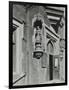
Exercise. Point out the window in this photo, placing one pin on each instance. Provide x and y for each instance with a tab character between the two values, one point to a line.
14	48
56	62
50	48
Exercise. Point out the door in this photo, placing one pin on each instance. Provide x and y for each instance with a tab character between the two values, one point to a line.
51	67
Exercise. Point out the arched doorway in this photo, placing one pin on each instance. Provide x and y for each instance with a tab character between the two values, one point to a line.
50	49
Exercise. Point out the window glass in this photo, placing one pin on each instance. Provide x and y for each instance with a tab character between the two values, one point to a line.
50	47
14	51
56	62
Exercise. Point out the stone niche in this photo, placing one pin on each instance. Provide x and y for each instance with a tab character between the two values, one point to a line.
38	29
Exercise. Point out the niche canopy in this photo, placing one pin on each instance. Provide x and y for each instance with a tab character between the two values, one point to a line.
38	36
